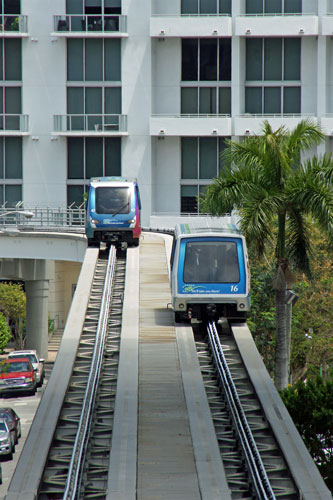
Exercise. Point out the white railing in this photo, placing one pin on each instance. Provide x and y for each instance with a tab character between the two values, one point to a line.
10	23
105	23
90	123
43	219
10	122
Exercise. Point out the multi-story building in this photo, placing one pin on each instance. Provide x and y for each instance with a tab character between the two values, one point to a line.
150	89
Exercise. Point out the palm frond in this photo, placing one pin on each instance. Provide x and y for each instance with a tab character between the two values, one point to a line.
305	135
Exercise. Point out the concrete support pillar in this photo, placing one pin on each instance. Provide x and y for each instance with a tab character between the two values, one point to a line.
37	292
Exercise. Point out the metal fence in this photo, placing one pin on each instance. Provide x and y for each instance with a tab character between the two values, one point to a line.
71	219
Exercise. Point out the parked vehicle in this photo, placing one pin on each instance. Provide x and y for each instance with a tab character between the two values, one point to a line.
13	421
17	375
7	444
36	361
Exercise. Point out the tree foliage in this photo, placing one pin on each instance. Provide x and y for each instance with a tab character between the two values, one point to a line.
275	194
5	333
13	306
312	315
310	405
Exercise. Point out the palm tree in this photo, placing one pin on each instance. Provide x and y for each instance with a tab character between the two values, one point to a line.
265	181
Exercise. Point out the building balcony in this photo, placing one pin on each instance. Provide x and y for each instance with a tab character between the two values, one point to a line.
13	25
190	125
326	123
90	125
95	25
14	125
190	26
248	124
281	25
327	25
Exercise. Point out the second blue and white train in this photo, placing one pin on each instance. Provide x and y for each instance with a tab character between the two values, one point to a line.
210	276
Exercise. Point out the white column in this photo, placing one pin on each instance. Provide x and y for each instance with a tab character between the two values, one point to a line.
37	292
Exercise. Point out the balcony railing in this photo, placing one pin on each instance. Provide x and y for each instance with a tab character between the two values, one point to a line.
13	123
90	123
44	219
13	23
105	23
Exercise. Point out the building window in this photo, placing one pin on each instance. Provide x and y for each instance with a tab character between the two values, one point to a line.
93	6
89	104
10	170
93	60
10	59
206	61
93	157
206	6
206	100
200	163
273	76
273	6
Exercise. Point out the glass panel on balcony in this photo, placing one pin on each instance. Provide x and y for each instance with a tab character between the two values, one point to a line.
292	59
253	100
272	100
225	101
13	158
75	158
112	151
189	158
13	59
273	59
292	100
94	157
189	100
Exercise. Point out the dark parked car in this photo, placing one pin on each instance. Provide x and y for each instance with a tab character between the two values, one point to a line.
17	375
7	444
13	420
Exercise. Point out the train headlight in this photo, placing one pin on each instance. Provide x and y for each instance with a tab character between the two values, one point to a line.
241	305
95	221
181	306
130	221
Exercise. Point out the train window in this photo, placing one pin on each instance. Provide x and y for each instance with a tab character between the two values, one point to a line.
211	262
112	200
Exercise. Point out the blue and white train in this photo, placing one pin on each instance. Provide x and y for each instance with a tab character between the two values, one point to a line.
113	211
209	271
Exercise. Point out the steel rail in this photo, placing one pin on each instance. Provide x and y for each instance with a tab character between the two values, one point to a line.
256	467
81	441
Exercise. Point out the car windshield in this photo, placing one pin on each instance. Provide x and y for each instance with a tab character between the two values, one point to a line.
18	366
30	356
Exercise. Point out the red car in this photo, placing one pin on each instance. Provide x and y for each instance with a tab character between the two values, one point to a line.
17	375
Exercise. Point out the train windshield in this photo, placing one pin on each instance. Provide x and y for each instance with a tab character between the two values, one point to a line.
211	262
113	200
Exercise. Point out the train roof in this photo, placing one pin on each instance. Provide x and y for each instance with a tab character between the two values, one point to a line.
216	225
111	181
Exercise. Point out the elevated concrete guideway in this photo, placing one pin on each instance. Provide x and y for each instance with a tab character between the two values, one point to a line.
30	257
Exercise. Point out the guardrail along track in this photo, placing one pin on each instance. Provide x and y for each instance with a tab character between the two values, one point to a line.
253	462
78	462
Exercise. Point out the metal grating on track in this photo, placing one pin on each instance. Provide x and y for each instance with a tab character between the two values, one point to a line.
236	468
93	474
